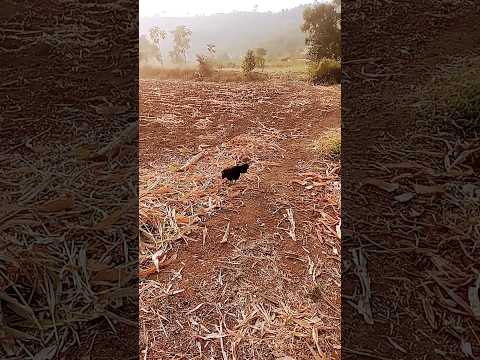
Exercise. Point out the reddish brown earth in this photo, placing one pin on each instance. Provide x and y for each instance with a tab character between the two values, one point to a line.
251	292
391	63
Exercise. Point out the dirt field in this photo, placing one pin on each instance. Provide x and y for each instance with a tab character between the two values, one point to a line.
250	270
414	295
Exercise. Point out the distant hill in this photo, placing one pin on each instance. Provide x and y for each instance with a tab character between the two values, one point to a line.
234	33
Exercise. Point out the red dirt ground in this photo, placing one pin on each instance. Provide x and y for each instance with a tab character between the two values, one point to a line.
251	292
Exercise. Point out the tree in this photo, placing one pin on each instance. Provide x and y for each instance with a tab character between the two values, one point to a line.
157	35
260	54
181	41
249	62
322	28
147	50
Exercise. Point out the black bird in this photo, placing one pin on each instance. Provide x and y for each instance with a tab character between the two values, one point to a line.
233	173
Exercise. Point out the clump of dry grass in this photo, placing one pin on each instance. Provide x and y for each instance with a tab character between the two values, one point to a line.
161	73
329	143
67	256
440	177
453	97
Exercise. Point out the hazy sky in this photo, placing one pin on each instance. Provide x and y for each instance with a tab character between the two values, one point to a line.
207	7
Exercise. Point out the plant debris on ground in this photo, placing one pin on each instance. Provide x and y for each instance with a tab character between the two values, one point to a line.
251	270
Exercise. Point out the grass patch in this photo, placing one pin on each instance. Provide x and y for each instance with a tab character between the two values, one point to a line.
163	73
293	70
452	99
465	102
326	71
193	73
296	69
329	144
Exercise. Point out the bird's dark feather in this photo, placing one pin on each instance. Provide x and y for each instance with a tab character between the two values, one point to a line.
233	173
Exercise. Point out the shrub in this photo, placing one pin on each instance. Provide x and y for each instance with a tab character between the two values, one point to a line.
464	103
329	144
452	99
249	62
326	71
205	67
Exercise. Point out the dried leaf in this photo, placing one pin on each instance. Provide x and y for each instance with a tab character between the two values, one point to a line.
204	235
457	299
403	165
95	266
429	314
156	257
182	219
163	262
405	197
225	235
110	110
424	189
396	346
338	229
62	203
302	183
46	353
363	306
474	298
164	190
467	348
109	220
291	219
192	161
21	310
384	185
147	272
112	275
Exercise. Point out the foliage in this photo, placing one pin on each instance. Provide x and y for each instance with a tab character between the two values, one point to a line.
156	34
205	67
453	97
329	144
465	102
326	71
181	41
322	28
249	62
148	51
260	54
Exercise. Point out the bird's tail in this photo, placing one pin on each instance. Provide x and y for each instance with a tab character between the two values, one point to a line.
244	168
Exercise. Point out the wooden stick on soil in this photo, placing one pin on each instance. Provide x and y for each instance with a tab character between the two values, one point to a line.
192	161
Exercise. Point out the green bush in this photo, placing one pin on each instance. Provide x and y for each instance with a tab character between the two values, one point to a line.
452	99
249	62
326	71
465	101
